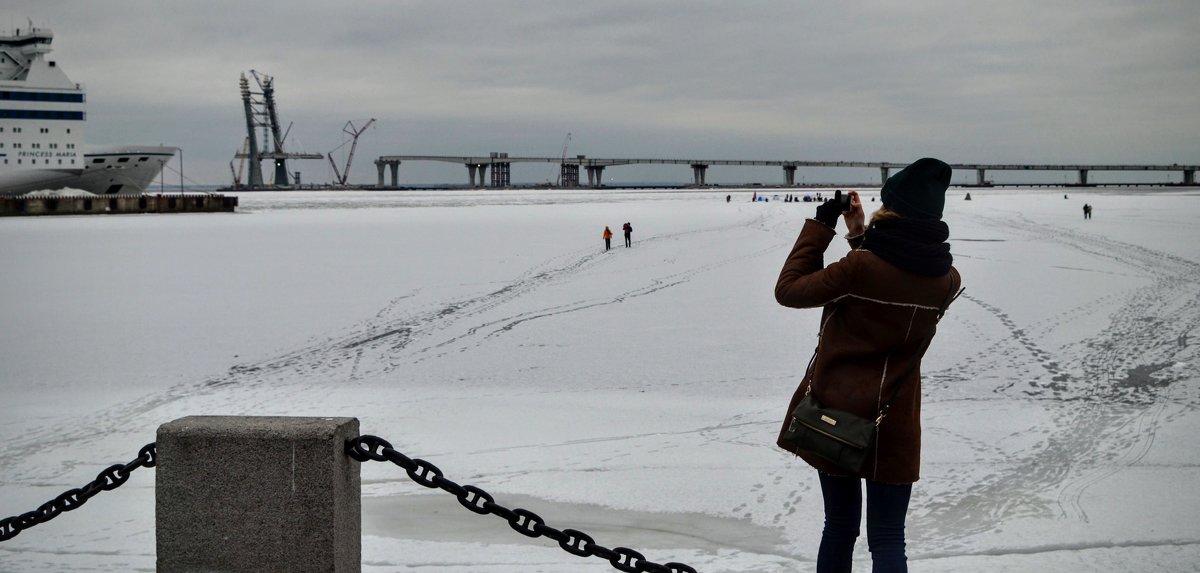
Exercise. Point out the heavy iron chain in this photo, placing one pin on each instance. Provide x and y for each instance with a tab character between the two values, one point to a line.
111	478
523	521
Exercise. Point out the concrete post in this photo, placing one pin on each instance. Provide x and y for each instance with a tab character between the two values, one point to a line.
1083	176
471	174
257	494
599	176
1189	176
883	173
789	175
980	178
379	166
395	174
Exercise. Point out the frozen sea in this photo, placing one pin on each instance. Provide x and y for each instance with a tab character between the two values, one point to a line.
633	394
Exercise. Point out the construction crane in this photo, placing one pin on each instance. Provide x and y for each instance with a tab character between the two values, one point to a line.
340	177
237	173
566	142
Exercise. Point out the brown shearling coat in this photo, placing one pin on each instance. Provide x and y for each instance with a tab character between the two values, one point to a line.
874	323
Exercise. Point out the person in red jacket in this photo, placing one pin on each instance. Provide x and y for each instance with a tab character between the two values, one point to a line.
607	238
879	306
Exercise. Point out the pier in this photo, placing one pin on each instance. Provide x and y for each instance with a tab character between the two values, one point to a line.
116	204
499	167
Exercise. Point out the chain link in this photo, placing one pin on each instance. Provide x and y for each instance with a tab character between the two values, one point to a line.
111	478
523	521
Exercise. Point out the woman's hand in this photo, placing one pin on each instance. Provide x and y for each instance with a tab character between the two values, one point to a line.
855	217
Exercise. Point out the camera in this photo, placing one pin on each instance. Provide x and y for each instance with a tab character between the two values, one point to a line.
842	201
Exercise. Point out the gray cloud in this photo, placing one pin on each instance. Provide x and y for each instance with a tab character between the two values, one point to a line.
1035	81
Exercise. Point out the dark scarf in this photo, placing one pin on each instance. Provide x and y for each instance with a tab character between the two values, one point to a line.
915	245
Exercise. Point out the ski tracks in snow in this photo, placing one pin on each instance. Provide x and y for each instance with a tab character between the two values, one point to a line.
397	337
401	333
1108	393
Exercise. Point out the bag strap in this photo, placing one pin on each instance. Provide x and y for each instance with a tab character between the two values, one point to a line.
924	346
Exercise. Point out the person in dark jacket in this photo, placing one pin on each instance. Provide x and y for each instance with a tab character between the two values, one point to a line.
880	304
628	234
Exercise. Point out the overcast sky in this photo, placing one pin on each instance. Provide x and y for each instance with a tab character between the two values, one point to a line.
1038	81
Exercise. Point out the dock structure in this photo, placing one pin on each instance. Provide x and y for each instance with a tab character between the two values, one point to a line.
116	204
500	166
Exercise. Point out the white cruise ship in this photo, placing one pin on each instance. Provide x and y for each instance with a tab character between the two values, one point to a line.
42	119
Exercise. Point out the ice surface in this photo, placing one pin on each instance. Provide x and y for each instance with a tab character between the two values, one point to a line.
633	394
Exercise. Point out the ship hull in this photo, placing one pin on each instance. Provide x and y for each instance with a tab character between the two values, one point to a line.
107	171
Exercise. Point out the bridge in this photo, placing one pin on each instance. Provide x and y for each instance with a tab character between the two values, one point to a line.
500	166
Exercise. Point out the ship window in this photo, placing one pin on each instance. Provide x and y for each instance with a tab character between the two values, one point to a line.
72	162
98	160
60	162
68	130
123	160
143	158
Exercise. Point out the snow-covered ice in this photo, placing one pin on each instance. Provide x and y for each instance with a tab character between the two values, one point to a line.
634	394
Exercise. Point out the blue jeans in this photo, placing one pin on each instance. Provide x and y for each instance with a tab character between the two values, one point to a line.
887	506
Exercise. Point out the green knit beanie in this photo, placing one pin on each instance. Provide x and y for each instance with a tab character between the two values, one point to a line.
919	190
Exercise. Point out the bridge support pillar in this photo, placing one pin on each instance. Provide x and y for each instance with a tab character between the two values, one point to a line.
595	175
482	169
568	175
247	493
395	173
1189	176
883	175
1083	176
698	172
501	174
379	167
980	178
789	175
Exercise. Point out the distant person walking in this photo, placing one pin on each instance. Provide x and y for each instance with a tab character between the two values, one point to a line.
628	234
607	238
1087	211
879	307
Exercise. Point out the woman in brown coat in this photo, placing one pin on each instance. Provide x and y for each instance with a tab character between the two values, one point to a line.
879	304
